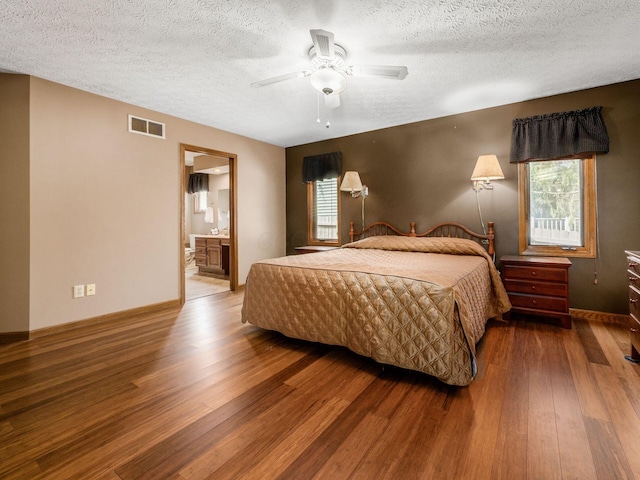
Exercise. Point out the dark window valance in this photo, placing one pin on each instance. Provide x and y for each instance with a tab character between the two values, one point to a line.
321	167
557	135
198	182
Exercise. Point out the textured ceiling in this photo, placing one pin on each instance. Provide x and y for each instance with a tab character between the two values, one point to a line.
195	59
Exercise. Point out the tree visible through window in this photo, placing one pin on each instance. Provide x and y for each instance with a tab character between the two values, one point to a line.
557	207
555	203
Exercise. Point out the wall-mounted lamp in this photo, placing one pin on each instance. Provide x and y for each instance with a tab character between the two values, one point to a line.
351	183
487	168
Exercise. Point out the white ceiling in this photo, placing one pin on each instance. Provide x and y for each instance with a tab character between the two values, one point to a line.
195	59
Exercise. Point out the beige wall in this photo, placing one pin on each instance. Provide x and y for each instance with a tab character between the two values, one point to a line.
105	204
14	203
420	172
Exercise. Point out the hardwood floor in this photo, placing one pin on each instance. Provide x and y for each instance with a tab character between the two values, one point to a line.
192	393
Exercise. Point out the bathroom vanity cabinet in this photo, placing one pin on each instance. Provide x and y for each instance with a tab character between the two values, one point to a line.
212	255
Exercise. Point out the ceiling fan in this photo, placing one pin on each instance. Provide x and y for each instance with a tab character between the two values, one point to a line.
328	71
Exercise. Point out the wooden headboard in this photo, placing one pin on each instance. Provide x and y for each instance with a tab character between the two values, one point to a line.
446	229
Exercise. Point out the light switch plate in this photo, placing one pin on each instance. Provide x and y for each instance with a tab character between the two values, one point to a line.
91	289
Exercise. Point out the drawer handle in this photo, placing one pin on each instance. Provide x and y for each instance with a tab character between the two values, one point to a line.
533	287
633	300
633	279
534	302
533	273
632	265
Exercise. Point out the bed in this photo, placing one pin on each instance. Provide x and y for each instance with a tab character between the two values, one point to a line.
419	301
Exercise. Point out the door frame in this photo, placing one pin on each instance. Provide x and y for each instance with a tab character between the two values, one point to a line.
233	219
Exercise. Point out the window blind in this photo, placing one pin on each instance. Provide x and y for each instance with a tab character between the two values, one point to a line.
326	209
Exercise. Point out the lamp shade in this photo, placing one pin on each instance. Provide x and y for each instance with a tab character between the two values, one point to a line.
328	81
351	182
487	168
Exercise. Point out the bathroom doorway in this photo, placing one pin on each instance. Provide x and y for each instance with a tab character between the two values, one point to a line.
209	263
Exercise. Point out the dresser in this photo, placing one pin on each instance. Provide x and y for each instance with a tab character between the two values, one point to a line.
633	271
538	286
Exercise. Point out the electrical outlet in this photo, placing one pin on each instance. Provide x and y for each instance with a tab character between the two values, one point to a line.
91	289
78	291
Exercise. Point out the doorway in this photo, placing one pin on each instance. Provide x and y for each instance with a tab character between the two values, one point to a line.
222	245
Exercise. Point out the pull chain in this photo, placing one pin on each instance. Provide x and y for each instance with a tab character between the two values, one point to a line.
318	119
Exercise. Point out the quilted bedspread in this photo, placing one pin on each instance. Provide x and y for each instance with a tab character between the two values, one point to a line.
417	303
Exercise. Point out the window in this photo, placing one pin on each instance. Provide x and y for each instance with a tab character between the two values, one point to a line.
557	207
323	203
200	202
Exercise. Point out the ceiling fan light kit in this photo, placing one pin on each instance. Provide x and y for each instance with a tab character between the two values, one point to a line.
328	69
329	81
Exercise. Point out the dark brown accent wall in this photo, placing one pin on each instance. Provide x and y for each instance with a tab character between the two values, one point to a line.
420	172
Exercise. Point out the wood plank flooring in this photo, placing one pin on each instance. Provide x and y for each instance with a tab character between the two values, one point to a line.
192	393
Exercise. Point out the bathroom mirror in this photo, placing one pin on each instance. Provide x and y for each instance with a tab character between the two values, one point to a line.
223	200
223	208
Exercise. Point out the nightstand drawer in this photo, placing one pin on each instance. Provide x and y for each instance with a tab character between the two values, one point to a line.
537	288
554	304
536	273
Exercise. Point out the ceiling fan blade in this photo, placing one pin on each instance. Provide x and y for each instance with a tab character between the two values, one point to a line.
388	71
332	101
280	78
324	43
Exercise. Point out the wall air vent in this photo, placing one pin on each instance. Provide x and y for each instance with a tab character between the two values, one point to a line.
145	126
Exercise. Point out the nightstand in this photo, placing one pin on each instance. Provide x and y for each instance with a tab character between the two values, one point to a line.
314	248
538	286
